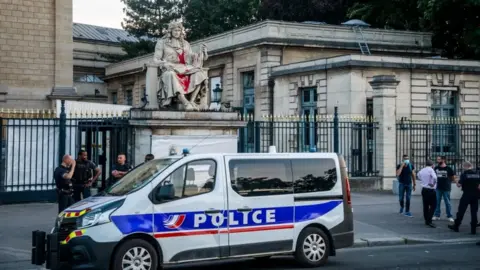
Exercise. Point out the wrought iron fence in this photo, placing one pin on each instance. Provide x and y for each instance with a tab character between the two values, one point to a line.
33	143
453	138
353	137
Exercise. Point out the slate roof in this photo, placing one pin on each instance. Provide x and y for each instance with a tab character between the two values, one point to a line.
100	33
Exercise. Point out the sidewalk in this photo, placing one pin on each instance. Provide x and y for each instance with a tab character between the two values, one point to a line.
377	222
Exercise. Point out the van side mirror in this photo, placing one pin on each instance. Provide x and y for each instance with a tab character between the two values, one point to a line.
165	193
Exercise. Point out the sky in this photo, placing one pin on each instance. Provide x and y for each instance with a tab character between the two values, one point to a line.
108	13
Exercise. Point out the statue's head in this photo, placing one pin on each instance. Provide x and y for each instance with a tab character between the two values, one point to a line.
176	30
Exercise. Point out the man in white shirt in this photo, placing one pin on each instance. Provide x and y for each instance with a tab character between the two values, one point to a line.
428	179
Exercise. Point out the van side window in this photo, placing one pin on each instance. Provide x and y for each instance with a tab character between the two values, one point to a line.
194	178
314	175
262	177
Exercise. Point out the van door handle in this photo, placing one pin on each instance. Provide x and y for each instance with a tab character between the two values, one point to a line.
244	209
212	211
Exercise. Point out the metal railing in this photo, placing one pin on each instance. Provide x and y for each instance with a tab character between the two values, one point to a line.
454	138
352	136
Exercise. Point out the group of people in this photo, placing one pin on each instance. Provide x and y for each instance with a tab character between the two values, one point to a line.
436	182
74	177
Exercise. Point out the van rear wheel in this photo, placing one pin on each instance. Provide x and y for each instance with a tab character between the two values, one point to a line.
312	248
135	254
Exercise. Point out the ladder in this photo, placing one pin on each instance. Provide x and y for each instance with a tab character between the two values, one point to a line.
361	41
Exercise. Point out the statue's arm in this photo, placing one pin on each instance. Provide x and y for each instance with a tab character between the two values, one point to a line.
158	55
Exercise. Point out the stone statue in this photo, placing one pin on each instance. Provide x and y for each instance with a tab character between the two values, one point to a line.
183	77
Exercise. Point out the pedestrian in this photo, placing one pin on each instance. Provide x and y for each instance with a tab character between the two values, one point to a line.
428	179
149	157
63	176
120	169
470	184
445	177
83	177
406	183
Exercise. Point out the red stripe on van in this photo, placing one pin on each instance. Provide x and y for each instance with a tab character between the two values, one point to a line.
233	230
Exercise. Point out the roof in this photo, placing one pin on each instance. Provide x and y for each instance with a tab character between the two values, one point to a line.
100	33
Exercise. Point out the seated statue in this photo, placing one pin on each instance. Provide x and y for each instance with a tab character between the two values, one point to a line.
182	75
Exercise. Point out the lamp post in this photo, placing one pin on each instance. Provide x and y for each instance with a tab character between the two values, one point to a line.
217	94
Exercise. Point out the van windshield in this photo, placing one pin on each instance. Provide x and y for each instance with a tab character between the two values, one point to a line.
140	176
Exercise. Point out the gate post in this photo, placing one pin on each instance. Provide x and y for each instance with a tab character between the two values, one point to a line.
384	110
336	132
62	132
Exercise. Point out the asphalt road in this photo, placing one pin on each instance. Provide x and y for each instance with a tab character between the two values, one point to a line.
421	257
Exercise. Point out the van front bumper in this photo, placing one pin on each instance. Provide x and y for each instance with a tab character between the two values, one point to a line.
80	253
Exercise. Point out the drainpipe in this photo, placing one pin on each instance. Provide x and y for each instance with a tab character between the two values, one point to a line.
271	86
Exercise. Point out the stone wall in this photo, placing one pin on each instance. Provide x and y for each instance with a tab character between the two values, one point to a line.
135	82
35	50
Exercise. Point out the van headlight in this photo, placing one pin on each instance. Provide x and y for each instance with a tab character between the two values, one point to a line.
98	216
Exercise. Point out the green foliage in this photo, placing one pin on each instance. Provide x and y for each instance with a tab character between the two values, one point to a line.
205	18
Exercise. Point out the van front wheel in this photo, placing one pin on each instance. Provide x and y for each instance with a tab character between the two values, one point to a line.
312	248
135	254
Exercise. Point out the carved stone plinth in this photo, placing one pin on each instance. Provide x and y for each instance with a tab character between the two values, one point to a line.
157	132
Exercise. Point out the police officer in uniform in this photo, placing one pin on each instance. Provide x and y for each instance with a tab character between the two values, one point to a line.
83	177
63	176
469	181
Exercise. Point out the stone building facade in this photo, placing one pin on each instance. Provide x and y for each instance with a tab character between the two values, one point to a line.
44	57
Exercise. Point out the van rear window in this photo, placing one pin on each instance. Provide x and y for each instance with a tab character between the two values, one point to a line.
314	175
261	177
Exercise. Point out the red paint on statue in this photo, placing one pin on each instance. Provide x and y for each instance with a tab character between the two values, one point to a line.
184	79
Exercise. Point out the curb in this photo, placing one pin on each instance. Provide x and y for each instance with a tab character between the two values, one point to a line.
398	241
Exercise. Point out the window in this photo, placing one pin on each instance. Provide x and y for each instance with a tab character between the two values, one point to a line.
248	79
194	178
309	99
114	98
87	78
444	105
128	97
251	178
313	175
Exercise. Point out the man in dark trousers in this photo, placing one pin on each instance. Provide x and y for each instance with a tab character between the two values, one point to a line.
428	179
63	175
83	176
445	177
120	168
406	183
470	183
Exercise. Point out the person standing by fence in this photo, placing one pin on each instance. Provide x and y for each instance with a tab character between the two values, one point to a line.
445	177
83	176
121	168
428	179
406	183
470	183
63	175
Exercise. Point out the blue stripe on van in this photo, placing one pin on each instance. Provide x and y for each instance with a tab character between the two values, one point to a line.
188	221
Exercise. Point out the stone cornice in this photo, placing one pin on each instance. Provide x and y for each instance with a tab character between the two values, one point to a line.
363	61
300	34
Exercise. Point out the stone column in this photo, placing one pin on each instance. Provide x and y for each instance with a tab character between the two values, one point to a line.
63	82
384	104
151	86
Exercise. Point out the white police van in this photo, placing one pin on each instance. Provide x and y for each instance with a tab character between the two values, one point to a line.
207	207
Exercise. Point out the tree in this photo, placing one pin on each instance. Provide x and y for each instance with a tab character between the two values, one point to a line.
393	14
455	25
206	18
329	11
149	18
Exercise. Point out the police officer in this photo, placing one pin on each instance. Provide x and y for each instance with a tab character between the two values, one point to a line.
83	177
469	181
63	175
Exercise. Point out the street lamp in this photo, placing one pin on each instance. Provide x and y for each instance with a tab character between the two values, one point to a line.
217	94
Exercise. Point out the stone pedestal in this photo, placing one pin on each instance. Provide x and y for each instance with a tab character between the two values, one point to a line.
384	99
157	132
151	86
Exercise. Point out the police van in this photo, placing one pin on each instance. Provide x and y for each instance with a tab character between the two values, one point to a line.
202	207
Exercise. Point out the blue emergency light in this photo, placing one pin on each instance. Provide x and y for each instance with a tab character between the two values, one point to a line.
185	151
